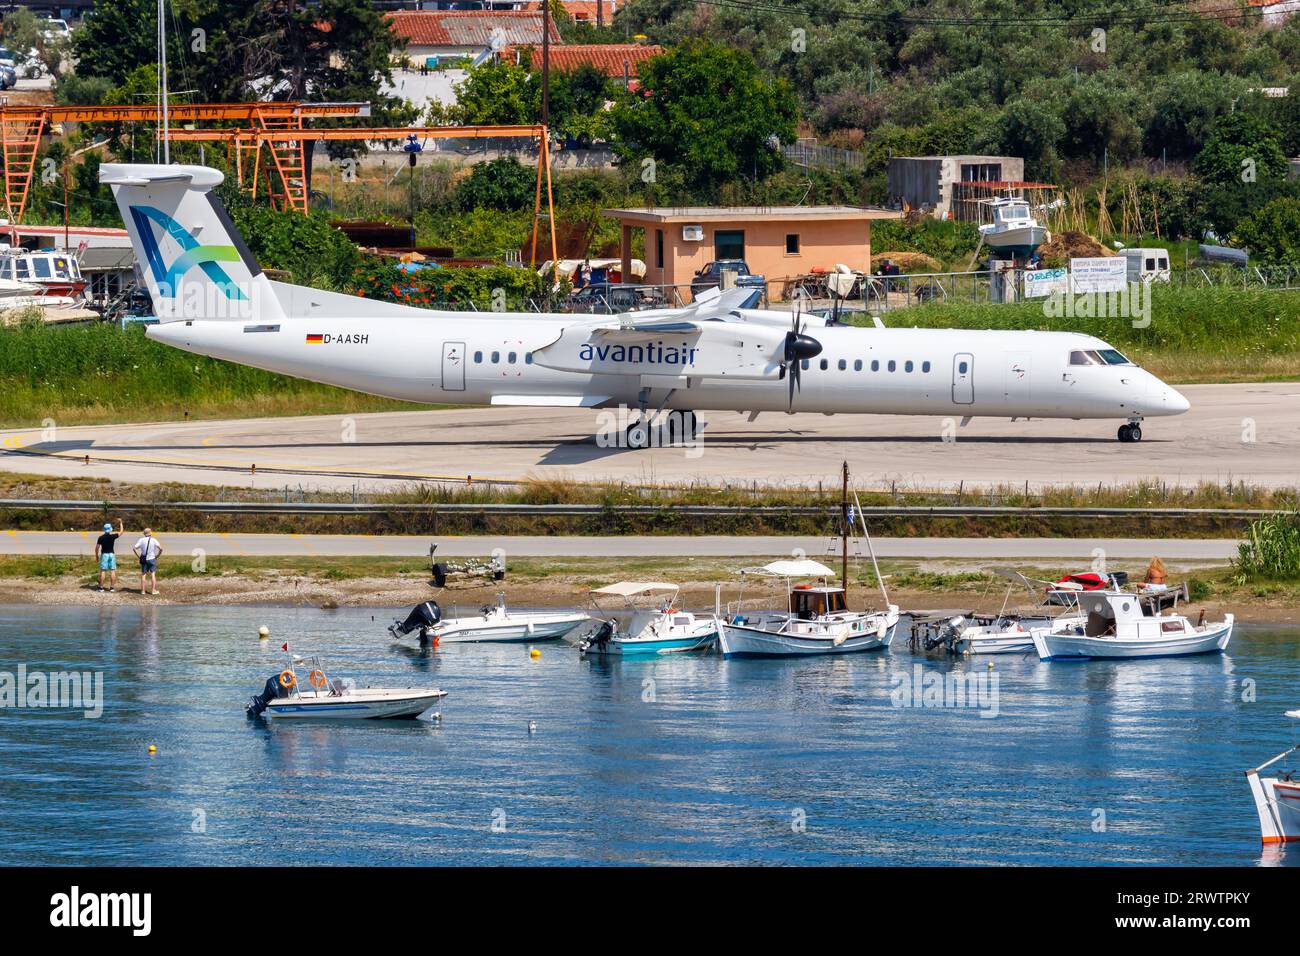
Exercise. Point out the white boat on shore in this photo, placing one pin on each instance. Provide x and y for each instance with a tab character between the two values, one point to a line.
285	696
639	628
493	624
1119	624
815	620
1277	798
1013	229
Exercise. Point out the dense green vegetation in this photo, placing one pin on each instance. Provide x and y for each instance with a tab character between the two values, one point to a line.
1214	334
89	374
1271	551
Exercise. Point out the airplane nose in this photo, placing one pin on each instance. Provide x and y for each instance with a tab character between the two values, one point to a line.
1168	400
1178	403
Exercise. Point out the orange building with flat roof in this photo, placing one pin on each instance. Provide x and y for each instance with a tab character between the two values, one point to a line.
780	243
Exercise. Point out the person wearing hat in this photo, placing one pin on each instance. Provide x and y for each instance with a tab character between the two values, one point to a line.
147	550
104	554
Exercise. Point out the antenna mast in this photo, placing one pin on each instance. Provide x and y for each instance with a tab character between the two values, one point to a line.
162	83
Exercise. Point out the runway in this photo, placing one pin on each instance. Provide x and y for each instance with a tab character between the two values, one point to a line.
1246	432
628	546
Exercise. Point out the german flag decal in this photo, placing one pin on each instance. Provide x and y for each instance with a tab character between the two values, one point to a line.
315	339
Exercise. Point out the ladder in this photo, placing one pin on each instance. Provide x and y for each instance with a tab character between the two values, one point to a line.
20	137
289	191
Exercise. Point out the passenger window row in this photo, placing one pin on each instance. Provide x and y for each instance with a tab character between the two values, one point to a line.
512	358
890	366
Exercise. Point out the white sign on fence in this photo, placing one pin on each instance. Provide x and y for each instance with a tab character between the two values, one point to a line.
1044	282
1105	274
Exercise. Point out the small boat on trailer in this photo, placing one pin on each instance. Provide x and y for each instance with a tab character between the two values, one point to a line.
639	628
1124	625
1277	798
325	698
816	619
493	624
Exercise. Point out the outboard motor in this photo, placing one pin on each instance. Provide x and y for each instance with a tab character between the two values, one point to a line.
599	637
258	702
422	617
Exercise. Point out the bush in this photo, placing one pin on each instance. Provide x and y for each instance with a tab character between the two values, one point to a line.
307	247
1271	551
502	184
451	287
1272	233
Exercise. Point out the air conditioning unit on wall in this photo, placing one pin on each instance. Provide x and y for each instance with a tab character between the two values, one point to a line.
693	233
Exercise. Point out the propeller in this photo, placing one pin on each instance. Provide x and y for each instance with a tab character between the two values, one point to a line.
797	348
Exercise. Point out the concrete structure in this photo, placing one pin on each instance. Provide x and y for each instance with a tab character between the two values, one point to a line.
1274	12
472	35
779	242
927	181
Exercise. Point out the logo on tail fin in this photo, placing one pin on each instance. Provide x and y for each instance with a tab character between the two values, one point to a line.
206	258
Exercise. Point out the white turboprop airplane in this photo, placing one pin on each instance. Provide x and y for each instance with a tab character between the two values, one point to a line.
211	297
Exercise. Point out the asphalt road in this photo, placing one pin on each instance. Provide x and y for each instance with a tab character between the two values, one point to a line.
1078	550
1240	432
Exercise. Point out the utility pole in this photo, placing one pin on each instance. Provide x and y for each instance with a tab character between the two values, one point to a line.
600	14
546	62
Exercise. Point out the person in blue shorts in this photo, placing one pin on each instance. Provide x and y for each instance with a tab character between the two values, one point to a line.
147	549
105	546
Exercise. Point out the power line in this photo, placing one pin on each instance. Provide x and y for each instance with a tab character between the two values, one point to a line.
1091	18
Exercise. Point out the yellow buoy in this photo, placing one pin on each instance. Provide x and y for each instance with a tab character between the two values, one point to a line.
534	653
153	749
263	632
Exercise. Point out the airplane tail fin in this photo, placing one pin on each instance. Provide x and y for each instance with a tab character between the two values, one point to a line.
193	259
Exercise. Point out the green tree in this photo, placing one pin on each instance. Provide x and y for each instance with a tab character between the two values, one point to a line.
501	184
708	109
24	35
495	93
1272	233
1243	167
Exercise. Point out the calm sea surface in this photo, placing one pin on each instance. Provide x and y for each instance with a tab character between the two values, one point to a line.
684	759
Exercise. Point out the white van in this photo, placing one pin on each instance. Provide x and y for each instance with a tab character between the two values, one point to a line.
1147	265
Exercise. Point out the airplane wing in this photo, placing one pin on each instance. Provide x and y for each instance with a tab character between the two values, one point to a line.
670	345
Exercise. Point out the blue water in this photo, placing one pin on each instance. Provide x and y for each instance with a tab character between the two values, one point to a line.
687	759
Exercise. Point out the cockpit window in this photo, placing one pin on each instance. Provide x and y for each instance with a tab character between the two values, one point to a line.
1111	357
1085	358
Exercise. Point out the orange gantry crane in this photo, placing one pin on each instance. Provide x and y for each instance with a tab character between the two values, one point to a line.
276	126
286	145
21	129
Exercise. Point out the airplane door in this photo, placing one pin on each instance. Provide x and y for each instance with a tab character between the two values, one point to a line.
1016	379
453	366
963	379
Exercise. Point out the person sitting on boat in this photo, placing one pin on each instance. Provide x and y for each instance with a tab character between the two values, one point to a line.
1156	579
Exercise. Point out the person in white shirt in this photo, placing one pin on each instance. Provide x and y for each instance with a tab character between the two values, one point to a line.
147	549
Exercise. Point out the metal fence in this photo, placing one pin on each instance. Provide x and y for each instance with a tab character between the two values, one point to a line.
824	157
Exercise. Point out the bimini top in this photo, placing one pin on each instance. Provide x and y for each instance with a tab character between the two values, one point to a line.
803	568
632	588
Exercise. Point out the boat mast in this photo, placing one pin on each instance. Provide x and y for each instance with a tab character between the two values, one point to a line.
844	533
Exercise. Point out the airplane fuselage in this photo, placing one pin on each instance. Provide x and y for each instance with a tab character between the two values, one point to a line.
492	359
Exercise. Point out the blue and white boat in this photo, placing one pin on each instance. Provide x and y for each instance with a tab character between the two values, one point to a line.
815	620
1120	624
303	690
647	622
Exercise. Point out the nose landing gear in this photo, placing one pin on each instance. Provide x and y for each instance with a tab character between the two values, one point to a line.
1131	432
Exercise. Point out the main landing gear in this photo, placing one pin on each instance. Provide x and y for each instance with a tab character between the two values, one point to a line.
1131	432
676	428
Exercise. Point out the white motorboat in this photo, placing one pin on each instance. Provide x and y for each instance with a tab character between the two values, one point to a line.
324	698
1013	228
659	627
1277	798
816	619
494	624
1009	631
1119	624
